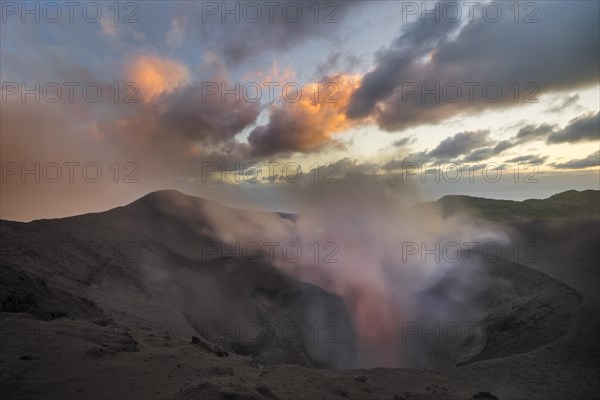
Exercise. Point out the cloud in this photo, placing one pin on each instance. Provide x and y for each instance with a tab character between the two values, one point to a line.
532	132
593	160
567	102
480	154
488	152
404	142
187	123
288	25
580	129
395	63
305	125
528	158
475	146
502	145
400	163
176	35
338	61
470	144
155	75
200	117
460	143
179	118
109	28
430	53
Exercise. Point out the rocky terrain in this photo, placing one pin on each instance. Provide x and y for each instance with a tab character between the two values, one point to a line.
125	304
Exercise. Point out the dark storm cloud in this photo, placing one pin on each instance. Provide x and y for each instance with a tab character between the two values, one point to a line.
460	143
581	129
557	53
593	160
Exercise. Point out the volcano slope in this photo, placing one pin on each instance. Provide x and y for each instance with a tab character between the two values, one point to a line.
124	305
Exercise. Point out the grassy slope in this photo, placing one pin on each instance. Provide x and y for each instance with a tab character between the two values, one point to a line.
569	204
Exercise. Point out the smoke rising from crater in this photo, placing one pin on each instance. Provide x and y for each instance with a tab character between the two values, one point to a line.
354	238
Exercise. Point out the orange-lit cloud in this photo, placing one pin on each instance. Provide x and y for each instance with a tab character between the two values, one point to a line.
323	103
306	121
155	75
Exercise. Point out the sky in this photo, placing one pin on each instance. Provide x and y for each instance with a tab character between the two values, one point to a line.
104	102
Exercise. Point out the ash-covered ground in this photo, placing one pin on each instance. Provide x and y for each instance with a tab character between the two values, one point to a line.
141	302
